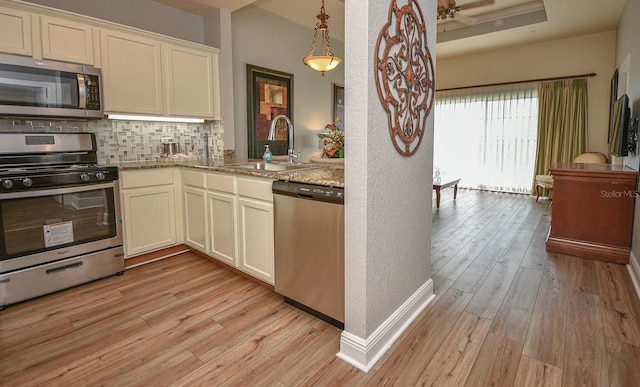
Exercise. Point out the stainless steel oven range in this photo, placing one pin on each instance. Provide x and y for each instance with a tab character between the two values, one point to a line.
59	214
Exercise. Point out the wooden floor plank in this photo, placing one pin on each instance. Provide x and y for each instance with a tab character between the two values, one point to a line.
185	319
141	352
240	322
473	277
623	363
452	363
532	372
487	300
217	369
512	320
497	363
536	254
211	299
547	329
618	315
161	374
317	341
582	274
69	347
585	359
404	365
464	234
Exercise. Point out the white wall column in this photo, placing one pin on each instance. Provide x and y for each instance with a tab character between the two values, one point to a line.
217	33
387	200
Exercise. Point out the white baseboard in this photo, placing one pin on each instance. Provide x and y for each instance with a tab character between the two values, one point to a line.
364	353
634	272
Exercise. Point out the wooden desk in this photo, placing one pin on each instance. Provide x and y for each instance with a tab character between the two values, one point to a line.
592	212
444	182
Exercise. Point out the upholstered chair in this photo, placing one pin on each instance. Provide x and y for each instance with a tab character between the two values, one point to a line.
546	181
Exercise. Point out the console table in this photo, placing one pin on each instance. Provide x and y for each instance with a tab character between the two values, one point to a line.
592	211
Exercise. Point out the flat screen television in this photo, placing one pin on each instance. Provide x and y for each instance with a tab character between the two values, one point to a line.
619	127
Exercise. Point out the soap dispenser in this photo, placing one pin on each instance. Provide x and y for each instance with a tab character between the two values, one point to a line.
267	157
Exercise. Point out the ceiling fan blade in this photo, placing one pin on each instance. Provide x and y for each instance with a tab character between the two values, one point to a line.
476	4
464	19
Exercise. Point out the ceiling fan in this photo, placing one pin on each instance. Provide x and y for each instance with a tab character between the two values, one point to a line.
449	9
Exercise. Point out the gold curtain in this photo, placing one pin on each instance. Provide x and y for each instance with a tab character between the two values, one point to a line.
562	122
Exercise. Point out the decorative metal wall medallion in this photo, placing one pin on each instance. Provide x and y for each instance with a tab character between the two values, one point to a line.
404	75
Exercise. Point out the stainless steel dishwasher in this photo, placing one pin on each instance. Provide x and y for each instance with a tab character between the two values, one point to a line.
309	248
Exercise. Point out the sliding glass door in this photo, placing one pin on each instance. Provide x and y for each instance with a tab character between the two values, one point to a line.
487	136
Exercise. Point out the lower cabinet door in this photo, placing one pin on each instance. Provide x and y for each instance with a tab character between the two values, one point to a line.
256	238
223	226
149	219
195	221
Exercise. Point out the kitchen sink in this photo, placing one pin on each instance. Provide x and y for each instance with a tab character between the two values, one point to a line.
272	167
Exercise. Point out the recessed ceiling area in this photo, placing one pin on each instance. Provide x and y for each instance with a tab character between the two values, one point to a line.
488	25
500	16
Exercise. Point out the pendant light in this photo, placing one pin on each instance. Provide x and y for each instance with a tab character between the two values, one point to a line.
326	61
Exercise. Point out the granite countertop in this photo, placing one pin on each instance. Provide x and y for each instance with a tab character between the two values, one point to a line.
325	175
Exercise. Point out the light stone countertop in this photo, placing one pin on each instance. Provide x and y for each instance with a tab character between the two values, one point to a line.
324	175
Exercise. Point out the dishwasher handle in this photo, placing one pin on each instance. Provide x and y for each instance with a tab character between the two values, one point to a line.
305	196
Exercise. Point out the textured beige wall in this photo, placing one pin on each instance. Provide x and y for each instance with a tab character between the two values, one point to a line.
593	53
629	44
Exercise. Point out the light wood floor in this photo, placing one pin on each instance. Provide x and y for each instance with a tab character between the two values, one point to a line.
506	313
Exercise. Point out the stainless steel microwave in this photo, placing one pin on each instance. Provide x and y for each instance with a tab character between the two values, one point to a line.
42	88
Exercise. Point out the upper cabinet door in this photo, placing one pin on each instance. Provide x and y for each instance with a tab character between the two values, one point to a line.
191	82
15	32
132	71
67	40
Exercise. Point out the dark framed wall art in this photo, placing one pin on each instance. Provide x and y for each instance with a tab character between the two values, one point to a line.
269	94
338	105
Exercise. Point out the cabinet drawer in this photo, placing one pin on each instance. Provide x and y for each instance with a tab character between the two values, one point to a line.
146	178
194	178
257	189
222	183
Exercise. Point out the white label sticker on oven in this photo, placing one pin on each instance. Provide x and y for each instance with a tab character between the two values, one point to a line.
58	233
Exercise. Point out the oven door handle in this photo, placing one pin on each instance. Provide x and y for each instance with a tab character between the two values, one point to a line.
55	191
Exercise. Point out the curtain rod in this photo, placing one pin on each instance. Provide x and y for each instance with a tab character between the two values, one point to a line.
525	81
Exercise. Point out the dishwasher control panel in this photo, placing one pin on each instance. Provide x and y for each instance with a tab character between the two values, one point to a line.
309	191
322	191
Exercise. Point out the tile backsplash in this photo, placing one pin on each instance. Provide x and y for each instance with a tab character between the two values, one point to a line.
120	141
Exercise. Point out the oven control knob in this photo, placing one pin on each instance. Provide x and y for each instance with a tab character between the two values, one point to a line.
85	177
27	182
7	184
99	175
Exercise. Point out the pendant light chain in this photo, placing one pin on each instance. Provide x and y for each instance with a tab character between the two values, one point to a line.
326	60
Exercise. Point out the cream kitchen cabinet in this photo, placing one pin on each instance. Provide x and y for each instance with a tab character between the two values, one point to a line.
143	72
67	40
15	31
147	76
255	224
132	73
149	210
191	82
194	201
46	37
222	207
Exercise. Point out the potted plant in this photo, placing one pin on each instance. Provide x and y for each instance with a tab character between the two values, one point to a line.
333	142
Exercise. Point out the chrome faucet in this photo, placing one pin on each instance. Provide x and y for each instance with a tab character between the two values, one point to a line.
272	136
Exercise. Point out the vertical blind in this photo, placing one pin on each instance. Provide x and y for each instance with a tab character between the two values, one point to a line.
487	136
